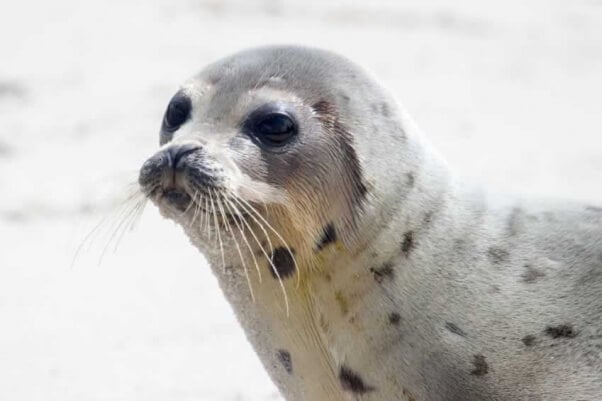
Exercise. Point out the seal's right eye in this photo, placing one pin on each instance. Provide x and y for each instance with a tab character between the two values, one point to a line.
272	126
178	112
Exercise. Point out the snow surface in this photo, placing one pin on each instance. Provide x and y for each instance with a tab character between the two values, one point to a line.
509	92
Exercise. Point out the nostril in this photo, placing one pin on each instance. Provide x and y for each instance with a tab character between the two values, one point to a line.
176	153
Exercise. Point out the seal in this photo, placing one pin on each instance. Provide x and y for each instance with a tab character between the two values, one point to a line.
358	264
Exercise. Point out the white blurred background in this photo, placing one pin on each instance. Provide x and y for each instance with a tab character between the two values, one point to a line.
509	92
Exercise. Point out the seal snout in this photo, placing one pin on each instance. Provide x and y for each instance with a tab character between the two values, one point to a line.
176	155
176	173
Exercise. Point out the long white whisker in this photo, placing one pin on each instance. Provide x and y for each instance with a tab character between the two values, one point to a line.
242	261
277	235
250	212
196	208
269	259
227	203
126	211
95	231
219	236
132	217
214	217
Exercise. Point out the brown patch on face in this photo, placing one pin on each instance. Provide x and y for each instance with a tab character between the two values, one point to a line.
328	116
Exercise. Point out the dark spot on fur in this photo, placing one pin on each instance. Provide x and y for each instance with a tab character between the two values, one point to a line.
285	359
394	318
497	255
342	302
408	243
455	329
594	209
409	395
480	366
561	331
328	115
531	274
410	180
382	273
529	340
428	218
352	382
329	235
283	262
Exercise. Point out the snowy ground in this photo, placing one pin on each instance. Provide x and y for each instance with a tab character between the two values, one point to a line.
510	92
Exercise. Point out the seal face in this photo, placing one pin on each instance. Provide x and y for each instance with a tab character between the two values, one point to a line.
358	267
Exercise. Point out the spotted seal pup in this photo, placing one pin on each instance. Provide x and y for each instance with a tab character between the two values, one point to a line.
358	265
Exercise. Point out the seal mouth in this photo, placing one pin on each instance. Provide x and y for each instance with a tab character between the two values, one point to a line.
201	202
177	197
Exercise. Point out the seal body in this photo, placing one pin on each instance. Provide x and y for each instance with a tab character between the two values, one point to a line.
358	265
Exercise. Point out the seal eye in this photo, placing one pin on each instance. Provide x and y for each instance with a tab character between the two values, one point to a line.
275	129
177	112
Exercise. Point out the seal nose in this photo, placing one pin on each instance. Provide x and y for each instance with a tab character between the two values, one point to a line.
176	153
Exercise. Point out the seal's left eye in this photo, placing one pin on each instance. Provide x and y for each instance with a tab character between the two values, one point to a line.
177	112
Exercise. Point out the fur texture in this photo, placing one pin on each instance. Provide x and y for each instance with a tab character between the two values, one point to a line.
358	265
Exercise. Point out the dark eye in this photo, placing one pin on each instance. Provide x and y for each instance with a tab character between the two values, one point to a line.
272	126
177	112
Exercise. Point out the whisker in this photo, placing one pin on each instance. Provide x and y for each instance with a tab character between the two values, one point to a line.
196	208
280	238
243	263
133	216
115	230
219	236
227	203
206	214
265	233
269	259
190	204
95	231
123	215
214	217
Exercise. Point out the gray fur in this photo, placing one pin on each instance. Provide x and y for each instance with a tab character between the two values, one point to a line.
432	291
